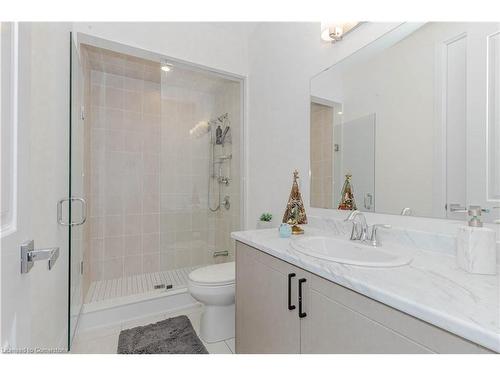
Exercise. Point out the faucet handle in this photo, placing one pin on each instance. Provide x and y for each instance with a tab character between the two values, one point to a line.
352	215
373	238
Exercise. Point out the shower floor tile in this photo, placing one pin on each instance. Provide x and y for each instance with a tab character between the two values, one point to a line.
103	290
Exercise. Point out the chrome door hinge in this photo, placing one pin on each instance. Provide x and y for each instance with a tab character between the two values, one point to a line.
81	267
30	255
82	113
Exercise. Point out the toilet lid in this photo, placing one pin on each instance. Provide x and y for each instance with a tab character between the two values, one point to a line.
217	274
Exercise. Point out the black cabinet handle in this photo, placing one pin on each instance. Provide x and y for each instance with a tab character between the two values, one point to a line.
301	313
290	306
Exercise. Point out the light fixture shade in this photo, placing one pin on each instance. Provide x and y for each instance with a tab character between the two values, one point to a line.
335	31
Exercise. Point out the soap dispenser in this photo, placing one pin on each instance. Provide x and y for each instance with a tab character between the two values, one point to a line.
476	247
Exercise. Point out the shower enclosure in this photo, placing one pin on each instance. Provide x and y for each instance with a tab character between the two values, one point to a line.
155	149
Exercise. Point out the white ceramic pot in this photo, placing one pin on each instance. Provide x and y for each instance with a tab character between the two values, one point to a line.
265	224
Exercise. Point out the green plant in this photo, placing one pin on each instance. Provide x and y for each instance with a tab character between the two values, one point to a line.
266	216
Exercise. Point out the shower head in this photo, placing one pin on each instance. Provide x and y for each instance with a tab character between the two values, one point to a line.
200	129
203	127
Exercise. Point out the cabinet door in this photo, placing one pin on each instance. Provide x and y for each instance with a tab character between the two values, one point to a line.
264	324
331	327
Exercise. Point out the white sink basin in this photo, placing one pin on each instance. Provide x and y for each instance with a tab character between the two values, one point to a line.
348	252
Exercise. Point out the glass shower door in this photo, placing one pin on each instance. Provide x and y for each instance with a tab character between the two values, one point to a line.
77	203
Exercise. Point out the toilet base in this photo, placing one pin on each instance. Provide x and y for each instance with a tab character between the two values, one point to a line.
217	323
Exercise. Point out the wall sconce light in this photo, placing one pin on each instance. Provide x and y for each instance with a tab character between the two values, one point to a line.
335	31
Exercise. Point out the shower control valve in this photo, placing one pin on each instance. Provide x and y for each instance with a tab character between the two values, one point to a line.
226	203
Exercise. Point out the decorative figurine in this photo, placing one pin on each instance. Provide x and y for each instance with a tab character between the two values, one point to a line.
347	201
295	213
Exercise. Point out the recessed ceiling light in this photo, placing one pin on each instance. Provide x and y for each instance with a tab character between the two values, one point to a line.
335	31
340	113
165	68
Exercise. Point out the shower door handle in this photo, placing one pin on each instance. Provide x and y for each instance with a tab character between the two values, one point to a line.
30	255
70	200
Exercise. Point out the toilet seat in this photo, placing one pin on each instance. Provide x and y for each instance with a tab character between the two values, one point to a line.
213	276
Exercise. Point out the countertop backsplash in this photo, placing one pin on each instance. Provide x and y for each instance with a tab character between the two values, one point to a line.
429	234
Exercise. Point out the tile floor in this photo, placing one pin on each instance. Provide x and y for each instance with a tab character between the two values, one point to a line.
105	340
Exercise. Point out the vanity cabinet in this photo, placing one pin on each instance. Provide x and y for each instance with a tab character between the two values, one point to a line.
334	328
263	322
327	318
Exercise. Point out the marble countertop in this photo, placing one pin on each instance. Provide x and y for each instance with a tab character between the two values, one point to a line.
431	288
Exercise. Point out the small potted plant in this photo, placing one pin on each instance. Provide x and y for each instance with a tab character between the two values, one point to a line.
265	221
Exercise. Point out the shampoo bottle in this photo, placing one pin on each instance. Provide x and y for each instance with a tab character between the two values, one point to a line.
218	135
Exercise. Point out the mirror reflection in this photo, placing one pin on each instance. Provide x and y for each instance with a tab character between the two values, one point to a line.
410	124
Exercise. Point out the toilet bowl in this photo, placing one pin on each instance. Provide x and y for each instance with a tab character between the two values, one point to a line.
214	286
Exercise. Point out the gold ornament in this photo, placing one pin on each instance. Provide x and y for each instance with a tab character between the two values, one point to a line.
295	213
347	201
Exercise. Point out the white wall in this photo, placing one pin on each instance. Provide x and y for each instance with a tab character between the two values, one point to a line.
283	58
219	45
328	85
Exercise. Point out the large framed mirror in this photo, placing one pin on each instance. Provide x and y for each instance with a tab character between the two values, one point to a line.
413	121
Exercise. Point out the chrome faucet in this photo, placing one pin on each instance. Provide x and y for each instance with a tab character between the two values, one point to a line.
407	211
374	241
360	229
359	225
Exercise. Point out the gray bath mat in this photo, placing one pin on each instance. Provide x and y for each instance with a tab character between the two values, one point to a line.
169	336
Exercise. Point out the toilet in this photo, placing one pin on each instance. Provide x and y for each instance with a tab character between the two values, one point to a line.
214	286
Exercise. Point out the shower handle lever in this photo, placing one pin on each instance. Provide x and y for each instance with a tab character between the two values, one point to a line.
226	203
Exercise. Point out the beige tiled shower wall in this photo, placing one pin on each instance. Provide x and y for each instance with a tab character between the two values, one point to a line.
189	230
183	185
148	176
321	146
125	178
